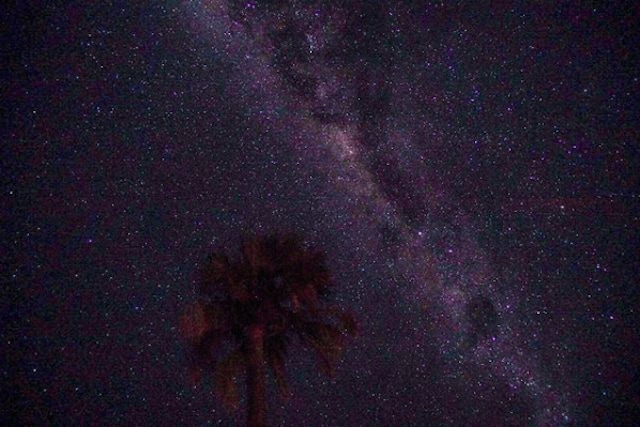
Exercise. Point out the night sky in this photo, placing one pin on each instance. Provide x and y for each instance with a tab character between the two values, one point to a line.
470	169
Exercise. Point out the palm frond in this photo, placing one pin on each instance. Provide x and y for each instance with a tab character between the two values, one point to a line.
226	375
275	353
256	254
202	355
326	339
193	323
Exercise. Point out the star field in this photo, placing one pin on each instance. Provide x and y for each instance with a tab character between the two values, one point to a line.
471	172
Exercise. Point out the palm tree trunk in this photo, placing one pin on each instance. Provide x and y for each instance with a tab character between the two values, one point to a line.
256	378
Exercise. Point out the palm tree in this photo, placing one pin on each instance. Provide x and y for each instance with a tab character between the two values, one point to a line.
250	308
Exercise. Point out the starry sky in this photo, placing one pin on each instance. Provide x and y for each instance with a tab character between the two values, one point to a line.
471	170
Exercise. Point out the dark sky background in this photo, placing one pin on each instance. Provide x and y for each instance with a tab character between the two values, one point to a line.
471	171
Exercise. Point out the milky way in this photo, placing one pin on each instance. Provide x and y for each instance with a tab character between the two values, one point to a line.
469	171
447	285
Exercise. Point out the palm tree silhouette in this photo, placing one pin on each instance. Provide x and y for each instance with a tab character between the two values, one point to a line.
250	308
